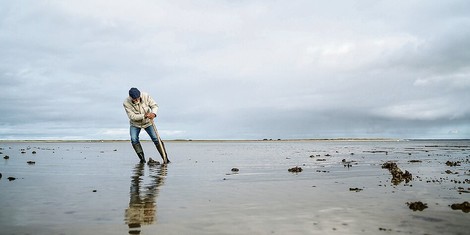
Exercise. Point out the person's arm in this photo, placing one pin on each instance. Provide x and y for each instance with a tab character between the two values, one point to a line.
153	108
132	115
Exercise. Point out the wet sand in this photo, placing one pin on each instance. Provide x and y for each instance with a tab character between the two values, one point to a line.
343	187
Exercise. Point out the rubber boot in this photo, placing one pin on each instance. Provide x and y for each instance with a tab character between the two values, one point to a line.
161	153
139	151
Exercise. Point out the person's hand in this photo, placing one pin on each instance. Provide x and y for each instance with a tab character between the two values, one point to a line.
150	115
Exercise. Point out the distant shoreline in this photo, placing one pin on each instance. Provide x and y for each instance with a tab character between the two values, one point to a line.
235	140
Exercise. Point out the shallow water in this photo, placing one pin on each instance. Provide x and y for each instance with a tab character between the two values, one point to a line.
98	188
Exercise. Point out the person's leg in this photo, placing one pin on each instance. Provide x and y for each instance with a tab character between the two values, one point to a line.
134	132
153	135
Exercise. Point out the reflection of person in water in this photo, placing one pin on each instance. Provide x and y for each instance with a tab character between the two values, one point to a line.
142	205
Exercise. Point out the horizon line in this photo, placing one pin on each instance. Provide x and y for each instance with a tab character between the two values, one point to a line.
240	140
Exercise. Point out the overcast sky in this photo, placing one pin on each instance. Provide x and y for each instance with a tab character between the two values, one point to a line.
246	69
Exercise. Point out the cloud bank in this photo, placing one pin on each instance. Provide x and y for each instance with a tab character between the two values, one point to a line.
236	69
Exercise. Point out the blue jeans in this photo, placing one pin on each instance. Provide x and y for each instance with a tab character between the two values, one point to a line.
135	131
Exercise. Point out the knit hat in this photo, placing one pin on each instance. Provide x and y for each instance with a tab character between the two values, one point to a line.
134	93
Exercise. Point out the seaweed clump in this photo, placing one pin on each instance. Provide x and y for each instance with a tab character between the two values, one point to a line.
464	206
450	163
398	175
296	169
417	206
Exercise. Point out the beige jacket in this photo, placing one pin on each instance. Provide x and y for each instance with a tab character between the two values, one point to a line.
136	111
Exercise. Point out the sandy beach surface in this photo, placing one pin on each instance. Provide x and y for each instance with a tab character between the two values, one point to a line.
339	187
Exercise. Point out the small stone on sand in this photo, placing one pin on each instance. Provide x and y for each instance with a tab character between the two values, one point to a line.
355	189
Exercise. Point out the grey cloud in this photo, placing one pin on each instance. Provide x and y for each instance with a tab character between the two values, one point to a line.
245	69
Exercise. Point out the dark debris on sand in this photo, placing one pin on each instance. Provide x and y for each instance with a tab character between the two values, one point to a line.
296	169
459	189
417	206
464	206
152	162
398	175
450	163
355	189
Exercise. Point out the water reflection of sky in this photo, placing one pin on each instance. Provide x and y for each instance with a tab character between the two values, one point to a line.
202	196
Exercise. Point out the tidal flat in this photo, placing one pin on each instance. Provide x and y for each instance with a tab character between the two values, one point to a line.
236	187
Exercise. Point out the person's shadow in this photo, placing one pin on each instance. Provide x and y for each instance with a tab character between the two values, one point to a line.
143	194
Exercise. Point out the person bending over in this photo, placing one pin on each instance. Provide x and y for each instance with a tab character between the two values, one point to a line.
141	110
